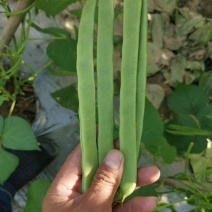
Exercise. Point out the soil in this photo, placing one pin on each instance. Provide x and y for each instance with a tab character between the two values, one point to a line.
25	104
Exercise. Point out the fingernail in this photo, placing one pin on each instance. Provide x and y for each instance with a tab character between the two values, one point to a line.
114	159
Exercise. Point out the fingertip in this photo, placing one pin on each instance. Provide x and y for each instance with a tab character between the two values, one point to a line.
138	204
148	175
106	180
114	159
146	204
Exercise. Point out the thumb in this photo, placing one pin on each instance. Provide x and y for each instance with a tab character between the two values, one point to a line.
106	181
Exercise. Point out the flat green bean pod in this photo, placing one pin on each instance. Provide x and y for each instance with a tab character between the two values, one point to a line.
105	77
128	144
141	75
86	92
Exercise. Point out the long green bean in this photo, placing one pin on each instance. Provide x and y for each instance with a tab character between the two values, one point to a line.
105	77
86	92
128	144
132	94
141	75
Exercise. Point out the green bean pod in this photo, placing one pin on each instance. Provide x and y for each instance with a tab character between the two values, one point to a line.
128	142
105	77
86	92
141	75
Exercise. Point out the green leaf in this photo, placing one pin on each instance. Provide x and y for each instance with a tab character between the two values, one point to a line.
36	194
206	123
167	152
182	142
152	127
144	191
67	97
53	7
188	99
60	72
63	53
1	100
200	166
77	12
8	164
1	126
18	134
205	112
152	135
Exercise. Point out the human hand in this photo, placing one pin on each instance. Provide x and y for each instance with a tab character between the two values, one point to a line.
65	192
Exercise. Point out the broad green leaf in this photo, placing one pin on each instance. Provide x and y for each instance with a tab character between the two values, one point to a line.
153	126
36	194
63	53
167	152
53	7
67	97
144	191
1	126
206	121
60	72
200	166
183	142
8	164
18	134
152	135
1	100
77	12
188	99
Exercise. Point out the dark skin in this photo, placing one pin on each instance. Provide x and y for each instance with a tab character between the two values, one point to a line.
65	192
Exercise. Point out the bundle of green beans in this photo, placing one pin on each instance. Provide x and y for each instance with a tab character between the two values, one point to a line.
132	93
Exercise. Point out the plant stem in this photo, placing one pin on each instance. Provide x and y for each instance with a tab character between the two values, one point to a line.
184	184
12	24
187	156
12	108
